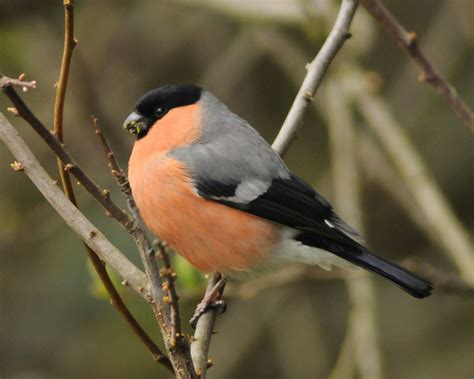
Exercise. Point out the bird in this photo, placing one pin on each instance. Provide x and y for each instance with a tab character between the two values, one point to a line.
208	184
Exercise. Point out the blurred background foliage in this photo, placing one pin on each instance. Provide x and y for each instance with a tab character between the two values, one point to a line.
54	319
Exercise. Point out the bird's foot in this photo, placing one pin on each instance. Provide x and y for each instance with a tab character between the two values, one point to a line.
212	300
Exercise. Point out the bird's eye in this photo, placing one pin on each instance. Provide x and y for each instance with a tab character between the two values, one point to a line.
160	112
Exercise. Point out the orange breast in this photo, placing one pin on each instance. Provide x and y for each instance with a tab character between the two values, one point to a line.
211	236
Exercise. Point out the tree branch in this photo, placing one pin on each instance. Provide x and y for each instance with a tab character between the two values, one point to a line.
447	282
99	266
101	195
241	49
362	324
164	295
61	87
438	214
134	277
203	333
20	82
316	70
278	43
429	73
180	358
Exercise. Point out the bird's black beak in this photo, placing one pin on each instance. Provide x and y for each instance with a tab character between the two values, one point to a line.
135	124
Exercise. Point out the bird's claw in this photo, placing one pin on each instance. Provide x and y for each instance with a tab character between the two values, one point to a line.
212	300
219	305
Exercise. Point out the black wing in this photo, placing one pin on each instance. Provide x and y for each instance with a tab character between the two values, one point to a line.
292	202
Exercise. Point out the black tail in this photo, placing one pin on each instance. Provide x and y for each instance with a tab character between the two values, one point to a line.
361	256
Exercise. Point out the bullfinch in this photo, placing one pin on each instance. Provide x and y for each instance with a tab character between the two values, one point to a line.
208	184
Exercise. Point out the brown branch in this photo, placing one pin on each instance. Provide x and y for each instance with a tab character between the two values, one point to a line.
61	87
116	170
180	358
448	282
169	277
316	71
134	277
165	307
101	195
429	73
99	266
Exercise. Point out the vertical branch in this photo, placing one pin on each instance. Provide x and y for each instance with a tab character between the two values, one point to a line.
439	216
429	73
169	276
61	87
362	323
316	71
164	297
241	49
99	266
345	365
203	333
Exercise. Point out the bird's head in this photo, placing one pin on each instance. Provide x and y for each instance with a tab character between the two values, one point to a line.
156	104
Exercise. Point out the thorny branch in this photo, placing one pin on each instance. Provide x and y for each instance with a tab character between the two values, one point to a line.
316	71
429	73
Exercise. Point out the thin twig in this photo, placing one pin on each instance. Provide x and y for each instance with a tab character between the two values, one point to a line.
99	266
284	278
429	73
164	298
181	359
116	170
101	195
424	219
169	277
134	277
447	282
20	82
316	70
362	324
438	214
61	88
